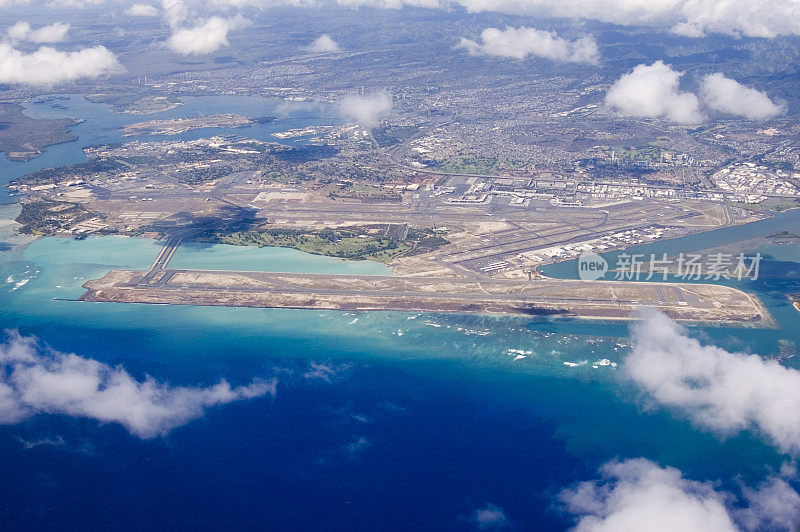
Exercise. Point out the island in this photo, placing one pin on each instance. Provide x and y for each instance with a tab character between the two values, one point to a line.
176	126
22	138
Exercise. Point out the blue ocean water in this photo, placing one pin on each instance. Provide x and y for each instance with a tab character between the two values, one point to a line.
425	419
422	419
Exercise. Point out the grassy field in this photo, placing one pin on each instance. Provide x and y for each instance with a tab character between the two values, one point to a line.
342	244
358	243
772	204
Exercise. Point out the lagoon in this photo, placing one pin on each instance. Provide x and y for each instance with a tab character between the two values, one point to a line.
201	256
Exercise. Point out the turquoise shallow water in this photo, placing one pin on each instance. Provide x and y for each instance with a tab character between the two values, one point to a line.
194	255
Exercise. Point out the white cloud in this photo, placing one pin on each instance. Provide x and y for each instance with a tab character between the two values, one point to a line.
356	448
141	10
366	110
774	505
48	66
58	441
323	44
729	96
618	12
175	12
489	517
719	391
640	495
752	18
36	380
262	4
325	371
653	91
519	43
77	4
392	4
19	31
22	31
205	38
